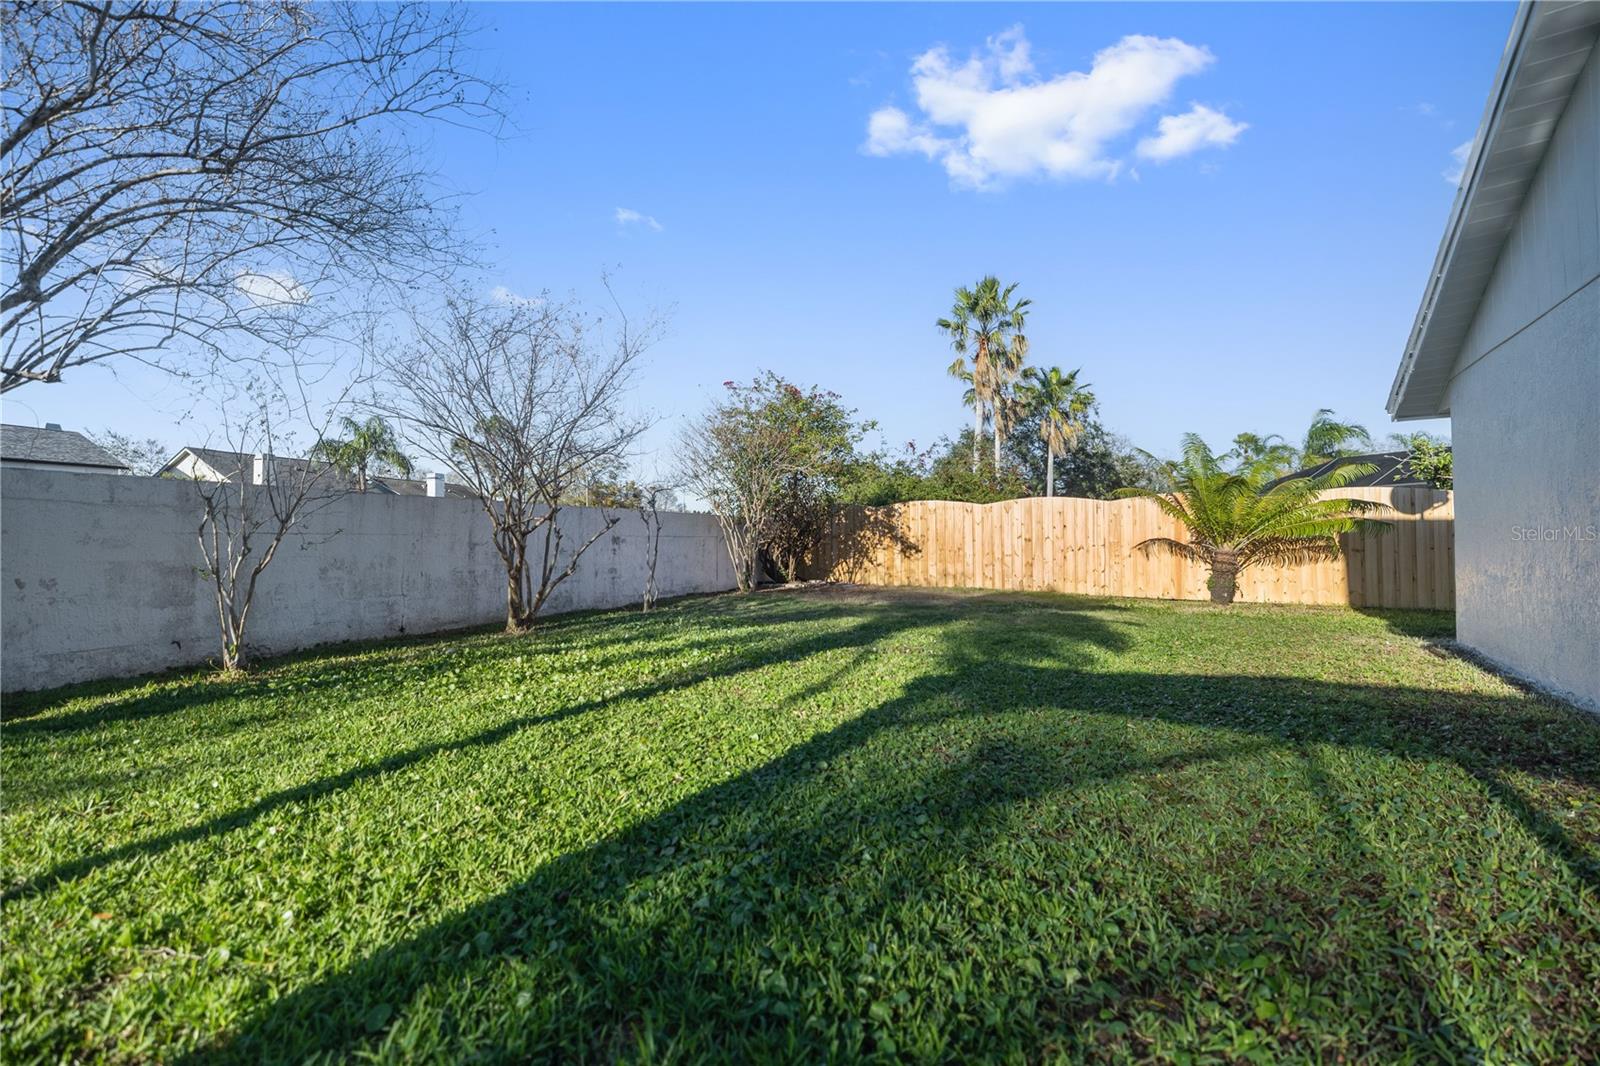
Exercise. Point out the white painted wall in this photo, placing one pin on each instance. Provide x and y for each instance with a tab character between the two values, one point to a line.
98	574
1525	422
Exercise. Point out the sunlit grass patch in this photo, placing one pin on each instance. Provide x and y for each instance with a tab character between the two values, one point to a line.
837	825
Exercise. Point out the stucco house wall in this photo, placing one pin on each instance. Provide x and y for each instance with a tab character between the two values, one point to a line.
1524	403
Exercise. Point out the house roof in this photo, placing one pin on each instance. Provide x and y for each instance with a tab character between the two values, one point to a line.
228	464
402	486
1391	469
54	445
1549	45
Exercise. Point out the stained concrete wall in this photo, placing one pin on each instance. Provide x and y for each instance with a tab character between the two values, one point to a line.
1525	424
98	574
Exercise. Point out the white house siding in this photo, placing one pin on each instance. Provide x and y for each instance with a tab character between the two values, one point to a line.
187	466
1525	420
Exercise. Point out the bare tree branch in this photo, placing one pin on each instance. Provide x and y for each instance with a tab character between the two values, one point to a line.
246	517
652	497
522	403
180	174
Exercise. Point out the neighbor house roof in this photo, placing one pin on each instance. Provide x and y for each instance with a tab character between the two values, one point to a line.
56	446
227	465
1390	469
405	486
1547	50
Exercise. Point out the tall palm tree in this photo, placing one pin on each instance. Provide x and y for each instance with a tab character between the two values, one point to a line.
1236	522
1061	403
369	445
985	326
969	398
1005	405
1328	438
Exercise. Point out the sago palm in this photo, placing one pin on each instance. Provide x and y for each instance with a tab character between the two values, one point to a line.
1061	404
985	327
368	445
1236	523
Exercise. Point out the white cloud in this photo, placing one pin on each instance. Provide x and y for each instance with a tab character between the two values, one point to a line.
269	288
627	216
1197	128
502	295
993	117
1458	168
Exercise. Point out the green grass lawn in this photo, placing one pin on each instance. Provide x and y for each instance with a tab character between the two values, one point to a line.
815	826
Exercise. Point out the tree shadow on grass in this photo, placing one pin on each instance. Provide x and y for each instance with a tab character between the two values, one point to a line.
739	637
742	651
33	719
944	877
607	639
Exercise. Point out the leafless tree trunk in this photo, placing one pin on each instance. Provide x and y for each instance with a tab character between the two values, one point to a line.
650	514
245	518
521	401
180	176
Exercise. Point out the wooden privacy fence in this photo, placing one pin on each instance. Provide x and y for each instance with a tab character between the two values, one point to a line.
1088	546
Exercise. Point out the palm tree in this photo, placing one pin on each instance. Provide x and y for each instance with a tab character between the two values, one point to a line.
1270	452
1236	522
1060	402
985	324
370	444
969	398
1328	438
1005	405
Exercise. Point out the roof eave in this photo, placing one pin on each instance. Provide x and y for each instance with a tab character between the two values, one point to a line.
1473	171
1549	46
76	463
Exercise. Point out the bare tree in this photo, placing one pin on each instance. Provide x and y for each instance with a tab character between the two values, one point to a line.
521	401
245	518
653	497
179	173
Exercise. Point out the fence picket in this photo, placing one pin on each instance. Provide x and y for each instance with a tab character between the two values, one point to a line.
1067	544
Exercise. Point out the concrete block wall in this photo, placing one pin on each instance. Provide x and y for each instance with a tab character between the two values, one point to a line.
99	574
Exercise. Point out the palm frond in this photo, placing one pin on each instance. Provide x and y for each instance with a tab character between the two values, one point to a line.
1290	551
1171	504
1195	553
1328	438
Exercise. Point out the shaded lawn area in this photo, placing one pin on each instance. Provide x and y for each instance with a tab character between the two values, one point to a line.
807	826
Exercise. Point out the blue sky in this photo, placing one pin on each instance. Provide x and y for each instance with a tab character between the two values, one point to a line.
1262	259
